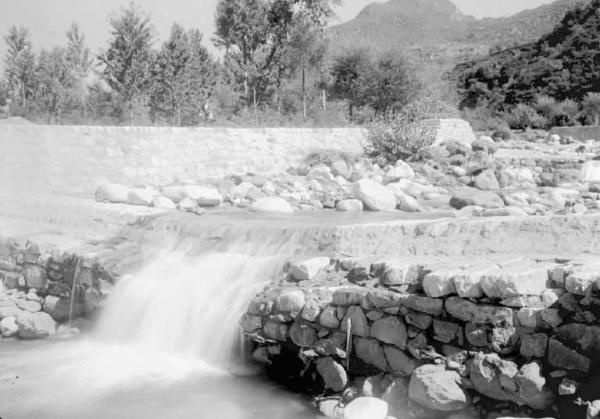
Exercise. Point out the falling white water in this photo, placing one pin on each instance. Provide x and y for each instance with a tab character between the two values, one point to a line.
165	345
187	307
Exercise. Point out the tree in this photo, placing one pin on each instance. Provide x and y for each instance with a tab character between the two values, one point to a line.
591	107
347	72
19	63
259	34
54	92
80	63
183	78
127	61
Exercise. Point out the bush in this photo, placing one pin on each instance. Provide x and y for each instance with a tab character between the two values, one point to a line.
524	116
502	134
482	118
591	108
567	114
399	137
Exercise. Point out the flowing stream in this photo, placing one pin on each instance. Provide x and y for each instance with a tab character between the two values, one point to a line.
167	345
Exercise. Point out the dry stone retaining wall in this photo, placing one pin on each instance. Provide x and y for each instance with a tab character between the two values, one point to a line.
40	289
511	330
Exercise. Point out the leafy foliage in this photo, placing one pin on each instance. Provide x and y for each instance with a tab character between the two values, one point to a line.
399	136
563	65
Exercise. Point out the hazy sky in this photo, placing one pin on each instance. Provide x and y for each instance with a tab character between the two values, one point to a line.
48	20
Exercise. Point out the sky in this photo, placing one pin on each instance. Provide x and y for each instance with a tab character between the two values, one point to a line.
48	20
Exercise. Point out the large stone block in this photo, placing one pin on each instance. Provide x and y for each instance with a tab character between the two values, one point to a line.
560	356
515	281
470	312
390	330
436	388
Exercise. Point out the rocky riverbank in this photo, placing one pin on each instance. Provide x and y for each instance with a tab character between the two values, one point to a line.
43	291
508	336
538	176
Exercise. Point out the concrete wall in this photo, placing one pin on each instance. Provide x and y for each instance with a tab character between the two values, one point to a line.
73	160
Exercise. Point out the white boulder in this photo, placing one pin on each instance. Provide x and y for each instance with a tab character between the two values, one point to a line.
163	202
35	325
366	408
272	204
112	192
375	196
141	196
591	171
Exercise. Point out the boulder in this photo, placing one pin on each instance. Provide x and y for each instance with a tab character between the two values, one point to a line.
351	296
433	306
112	192
163	202
474	197
141	196
349	205
9	327
400	171
590	171
405	202
401	272
366	408
436	388
272	204
333	374
204	196
28	305
241	191
581	280
275	330
308	269
8	308
374	196
478	162
35	325
328	318
486	181
340	168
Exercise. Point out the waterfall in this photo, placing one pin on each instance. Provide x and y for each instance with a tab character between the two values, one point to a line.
187	307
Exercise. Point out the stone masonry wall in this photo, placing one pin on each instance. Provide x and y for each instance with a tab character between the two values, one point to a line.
75	160
507	330
37	292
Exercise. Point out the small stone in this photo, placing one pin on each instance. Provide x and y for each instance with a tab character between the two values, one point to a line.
349	205
290	302
567	387
366	408
390	330
328	318
446	332
272	204
333	374
419	320
476	335
358	321
275	330
534	345
436	388
302	335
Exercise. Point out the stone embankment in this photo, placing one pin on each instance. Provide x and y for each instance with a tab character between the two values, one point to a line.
501	337
43	291
486	178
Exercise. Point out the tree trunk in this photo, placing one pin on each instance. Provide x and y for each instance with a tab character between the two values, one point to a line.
324	97
304	93
254	104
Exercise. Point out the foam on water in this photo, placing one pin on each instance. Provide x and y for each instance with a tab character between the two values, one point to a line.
168	333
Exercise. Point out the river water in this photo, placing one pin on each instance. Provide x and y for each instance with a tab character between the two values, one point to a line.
167	345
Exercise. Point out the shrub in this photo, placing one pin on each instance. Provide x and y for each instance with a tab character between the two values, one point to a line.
591	108
502	134
398	137
483	118
567	114
524	116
